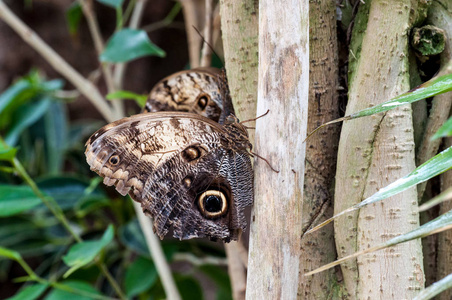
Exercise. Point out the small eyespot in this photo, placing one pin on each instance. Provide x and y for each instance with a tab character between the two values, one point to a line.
191	153
213	204
202	101
114	160
187	182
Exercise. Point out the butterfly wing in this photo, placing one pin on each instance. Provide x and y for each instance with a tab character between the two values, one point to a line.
197	91
181	169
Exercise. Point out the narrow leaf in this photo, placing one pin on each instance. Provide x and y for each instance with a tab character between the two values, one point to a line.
435	288
112	3
442	223
16	199
444	131
438	164
8	96
129	44
28	115
434	86
444	196
30	292
83	253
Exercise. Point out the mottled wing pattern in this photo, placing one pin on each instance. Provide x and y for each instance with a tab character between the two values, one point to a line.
196	91
169	162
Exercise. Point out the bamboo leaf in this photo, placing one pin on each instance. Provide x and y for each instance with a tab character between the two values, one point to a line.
442	223
444	196
73	16
444	131
438	164
83	253
434	86
129	44
74	290
435	288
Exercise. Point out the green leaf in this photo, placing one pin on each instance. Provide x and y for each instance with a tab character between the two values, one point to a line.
6	152
140	276
132	237
16	199
188	287
55	136
435	288
73	16
444	196
438	164
444	131
129	44
14	255
220	277
73	291
25	117
8	96
67	191
443	222
139	99
81	254
30	292
112	3
434	86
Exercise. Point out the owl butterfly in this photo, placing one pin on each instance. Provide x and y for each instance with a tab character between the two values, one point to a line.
187	171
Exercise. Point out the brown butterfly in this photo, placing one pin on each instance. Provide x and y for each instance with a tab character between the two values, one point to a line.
187	171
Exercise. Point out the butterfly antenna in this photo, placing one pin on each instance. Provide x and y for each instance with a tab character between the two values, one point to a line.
210	46
250	120
258	156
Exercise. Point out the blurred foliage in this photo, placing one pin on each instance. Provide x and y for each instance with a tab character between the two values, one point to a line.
58	224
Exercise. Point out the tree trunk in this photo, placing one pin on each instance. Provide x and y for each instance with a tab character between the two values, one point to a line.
374	152
283	89
239	26
318	248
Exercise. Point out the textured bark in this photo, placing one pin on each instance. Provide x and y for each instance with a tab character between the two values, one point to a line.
283	88
239	26
240	42
374	152
440	14
318	248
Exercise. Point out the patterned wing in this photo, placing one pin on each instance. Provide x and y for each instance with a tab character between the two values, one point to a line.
179	167
197	91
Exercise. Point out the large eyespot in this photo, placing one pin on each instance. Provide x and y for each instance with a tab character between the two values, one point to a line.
213	204
202	101
114	160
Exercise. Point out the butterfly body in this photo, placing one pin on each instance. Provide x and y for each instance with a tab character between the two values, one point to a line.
186	170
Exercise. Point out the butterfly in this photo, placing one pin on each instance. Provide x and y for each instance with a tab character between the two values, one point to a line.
188	171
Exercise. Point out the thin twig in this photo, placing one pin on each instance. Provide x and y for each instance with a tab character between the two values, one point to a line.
57	62
87	7
206	57
157	254
135	20
199	261
191	9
